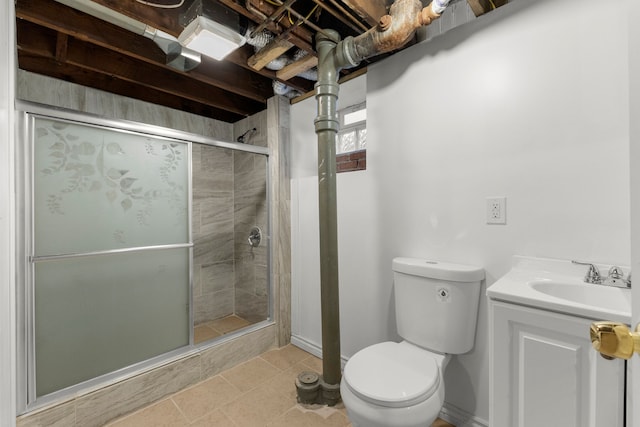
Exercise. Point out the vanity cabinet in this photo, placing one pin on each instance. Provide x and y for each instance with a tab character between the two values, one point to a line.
544	371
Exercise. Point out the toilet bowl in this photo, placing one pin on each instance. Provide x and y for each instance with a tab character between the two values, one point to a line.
392	384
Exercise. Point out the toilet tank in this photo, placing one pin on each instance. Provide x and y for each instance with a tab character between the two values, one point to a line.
437	303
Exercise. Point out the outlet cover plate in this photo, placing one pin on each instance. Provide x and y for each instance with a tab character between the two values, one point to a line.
497	210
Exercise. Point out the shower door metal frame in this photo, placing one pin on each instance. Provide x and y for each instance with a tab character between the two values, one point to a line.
27	112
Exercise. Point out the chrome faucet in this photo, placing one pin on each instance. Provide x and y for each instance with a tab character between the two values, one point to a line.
615	277
593	275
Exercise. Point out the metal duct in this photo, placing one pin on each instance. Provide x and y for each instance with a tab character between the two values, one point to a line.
283	89
262	38
178	57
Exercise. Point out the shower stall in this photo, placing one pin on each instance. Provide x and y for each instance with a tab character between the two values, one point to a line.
231	286
140	244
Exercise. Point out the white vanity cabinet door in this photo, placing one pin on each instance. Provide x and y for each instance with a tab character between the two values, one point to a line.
544	372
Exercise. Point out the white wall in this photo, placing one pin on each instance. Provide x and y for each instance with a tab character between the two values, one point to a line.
7	238
529	102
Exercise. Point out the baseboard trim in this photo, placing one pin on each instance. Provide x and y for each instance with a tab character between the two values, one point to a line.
459	418
312	348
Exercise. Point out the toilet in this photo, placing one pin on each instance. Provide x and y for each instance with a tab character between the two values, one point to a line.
401	384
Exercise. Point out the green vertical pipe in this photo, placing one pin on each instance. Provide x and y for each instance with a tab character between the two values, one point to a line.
326	127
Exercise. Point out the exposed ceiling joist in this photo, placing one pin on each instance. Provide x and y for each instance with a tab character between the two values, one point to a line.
62	42
370	10
270	52
99	60
55	69
297	67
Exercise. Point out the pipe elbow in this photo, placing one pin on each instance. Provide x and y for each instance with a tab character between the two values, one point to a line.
392	32
427	16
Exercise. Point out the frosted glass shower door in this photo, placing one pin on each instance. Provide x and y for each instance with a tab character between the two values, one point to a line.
111	250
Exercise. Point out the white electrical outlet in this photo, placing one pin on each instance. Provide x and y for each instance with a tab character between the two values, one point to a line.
496	210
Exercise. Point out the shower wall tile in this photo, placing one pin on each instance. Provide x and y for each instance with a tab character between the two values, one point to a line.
251	307
238	350
214	248
217	277
95	409
251	187
188	122
216	214
242	162
208	185
262	212
212	178
247	253
63	415
258	121
196	153
196	280
250	191
244	217
245	276
213	236
217	160
212	306
278	110
46	90
100	103
218	130
261	282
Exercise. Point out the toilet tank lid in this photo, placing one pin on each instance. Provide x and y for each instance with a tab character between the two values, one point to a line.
438	269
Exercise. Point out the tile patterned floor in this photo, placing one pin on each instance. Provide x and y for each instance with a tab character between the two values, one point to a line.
215	328
257	393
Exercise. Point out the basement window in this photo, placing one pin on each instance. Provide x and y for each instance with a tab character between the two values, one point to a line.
351	154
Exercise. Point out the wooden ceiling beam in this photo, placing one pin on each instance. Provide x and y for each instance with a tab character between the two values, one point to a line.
61	47
166	19
221	74
300	37
297	67
241	57
268	53
369	10
106	62
41	65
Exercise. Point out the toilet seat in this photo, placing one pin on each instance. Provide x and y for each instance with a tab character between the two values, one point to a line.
392	374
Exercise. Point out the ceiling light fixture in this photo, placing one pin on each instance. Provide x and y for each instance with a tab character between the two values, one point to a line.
210	38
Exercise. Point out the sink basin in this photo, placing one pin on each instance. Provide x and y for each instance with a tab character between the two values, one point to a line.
557	285
602	296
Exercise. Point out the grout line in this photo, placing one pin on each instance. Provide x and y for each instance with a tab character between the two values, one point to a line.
179	409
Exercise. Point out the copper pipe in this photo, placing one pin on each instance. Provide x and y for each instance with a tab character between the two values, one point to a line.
348	14
273	17
302	18
392	32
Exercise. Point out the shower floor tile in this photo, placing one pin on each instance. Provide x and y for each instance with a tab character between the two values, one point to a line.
215	328
257	393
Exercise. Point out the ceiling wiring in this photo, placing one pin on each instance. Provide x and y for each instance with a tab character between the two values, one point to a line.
160	5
